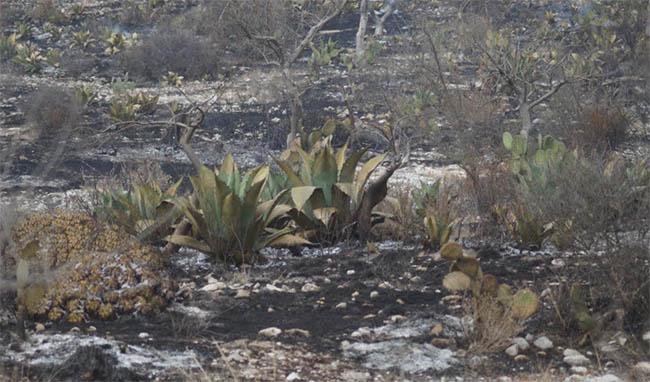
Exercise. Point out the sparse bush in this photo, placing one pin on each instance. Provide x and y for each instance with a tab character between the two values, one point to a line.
77	63
48	11
171	50
54	110
601	128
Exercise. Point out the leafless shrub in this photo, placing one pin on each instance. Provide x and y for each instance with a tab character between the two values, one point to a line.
48	11
171	49
54	110
494	325
401	222
76	63
601	128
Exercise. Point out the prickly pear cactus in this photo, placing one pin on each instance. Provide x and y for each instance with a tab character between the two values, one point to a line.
72	268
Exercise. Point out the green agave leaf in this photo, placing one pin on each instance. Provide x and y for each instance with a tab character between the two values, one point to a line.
300	195
364	174
173	189
524	303
451	251
190	242
294	179
325	173
349	168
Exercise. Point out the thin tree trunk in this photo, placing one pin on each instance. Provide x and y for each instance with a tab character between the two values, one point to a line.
361	32
526	122
379	27
295	121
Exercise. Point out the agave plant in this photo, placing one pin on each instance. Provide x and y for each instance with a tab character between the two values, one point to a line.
29	57
327	190
144	211
229	220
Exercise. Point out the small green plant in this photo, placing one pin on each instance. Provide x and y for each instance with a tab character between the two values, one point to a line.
122	110
172	79
144	211
23	31
465	274
82	39
55	31
146	103
7	47
77	10
229	219
324	54
115	42
29	57
85	94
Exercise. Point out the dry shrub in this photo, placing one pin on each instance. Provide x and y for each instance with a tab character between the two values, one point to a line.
601	128
76	63
48	11
489	185
401	222
171	50
54	110
494	325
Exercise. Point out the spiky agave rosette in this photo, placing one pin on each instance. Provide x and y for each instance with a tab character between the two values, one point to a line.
79	269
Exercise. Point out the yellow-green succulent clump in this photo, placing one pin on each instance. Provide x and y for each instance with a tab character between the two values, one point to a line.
88	269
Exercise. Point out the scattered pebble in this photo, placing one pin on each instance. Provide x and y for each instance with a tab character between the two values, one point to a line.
310	288
521	358
350	272
143	335
270	332
341	305
512	350
521	343
91	329
543	343
243	293
39	327
578	370
642	368
293	376
374	294
575	358
436	330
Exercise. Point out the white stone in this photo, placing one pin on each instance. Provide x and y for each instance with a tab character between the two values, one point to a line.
575	358
512	350
293	376
543	343
604	378
270	332
39	327
361	332
374	294
642	368
578	370
243	293
213	287
521	343
310	287
646	336
341	305
273	288
350	272
143	335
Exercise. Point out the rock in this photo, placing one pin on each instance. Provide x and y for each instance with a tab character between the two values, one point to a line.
70	356
476	361
521	343
350	272
341	305
355	376
397	318
521	358
406	356
293	376
575	358
143	335
374	295
646	336
214	286
512	350
529	337
642	368
75	329
604	378
298	332
273	288
91	329
39	328
355	294
270	332
436	330
242	293
361	333
578	370
504	379
543	343
310	288
443	342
